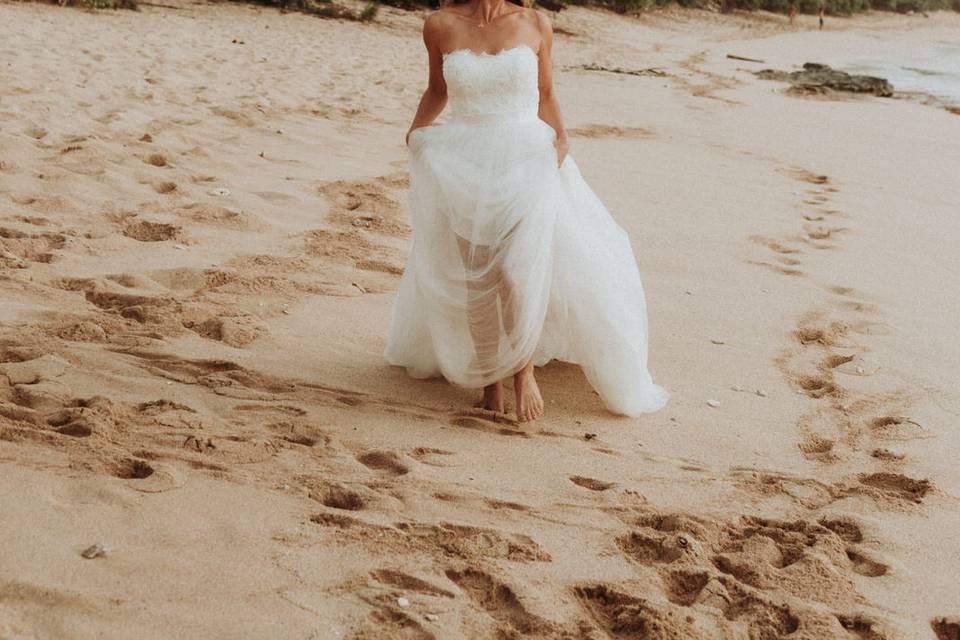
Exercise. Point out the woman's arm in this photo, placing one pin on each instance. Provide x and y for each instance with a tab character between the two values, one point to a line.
549	106
434	99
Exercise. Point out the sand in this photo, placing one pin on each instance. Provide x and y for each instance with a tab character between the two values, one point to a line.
203	221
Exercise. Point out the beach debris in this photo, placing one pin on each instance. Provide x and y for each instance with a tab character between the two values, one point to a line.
649	71
359	288
96	550
735	57
219	191
713	403
146	138
717	341
362	221
589	436
432	617
761	393
403	602
821	78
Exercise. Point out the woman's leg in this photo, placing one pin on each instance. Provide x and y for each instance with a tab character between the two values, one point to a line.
483	316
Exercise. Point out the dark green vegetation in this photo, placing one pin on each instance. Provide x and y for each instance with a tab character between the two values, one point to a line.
329	9
324	8
831	7
98	4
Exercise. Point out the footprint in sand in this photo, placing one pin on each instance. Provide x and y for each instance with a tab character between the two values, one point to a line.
164	188
156	159
465	420
864	565
773	245
340	496
815	232
785	271
233	449
897	428
609	131
896	486
366	204
409	583
147	231
946	628
809	176
818	386
385	461
621	615
501	603
432	456
149	477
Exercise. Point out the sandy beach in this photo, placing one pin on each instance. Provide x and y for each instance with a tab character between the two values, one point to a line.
203	221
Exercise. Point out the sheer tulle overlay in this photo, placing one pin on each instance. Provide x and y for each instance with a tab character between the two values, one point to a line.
513	258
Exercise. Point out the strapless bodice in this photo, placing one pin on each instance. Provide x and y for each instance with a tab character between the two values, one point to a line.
489	86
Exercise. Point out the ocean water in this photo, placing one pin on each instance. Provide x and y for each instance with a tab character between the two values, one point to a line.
933	70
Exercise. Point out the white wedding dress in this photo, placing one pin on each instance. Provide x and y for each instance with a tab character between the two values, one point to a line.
513	258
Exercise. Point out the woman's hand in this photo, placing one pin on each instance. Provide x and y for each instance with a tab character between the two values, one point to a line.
562	146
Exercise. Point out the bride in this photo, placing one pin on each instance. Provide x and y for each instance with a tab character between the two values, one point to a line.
514	261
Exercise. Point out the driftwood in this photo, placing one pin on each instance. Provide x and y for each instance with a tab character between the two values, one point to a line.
650	71
733	57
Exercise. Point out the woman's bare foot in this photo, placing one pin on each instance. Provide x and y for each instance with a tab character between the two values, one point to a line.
529	400
492	398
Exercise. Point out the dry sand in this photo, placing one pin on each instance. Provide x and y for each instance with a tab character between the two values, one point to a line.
196	379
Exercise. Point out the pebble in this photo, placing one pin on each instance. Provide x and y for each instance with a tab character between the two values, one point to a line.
403	602
219	191
97	550
713	403
432	617
761	393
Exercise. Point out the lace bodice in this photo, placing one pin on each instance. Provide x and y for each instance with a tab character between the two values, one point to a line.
491	85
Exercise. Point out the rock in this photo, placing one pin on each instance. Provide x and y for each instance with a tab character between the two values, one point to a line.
761	393
713	403
821	78
97	550
403	602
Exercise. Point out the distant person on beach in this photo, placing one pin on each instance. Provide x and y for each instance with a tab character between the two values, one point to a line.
821	18
515	261
792	12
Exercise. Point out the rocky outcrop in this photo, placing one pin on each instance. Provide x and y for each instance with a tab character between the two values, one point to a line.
821	78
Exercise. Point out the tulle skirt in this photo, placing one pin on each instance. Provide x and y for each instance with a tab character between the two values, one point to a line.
514	259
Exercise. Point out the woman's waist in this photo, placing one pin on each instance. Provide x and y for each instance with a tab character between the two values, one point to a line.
494	116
